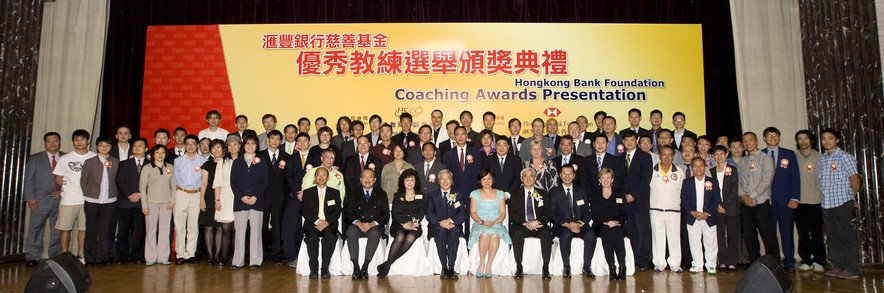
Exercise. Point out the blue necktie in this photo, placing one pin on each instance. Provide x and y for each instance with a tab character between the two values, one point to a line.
367	195
530	207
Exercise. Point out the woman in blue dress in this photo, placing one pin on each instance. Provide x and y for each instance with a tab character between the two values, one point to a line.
488	210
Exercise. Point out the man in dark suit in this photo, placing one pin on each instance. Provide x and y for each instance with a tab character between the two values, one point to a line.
678	120
122	149
601	159
348	148
552	131
571	216
464	163
38	192
515	139
322	208
343	128
529	214
700	218
581	147
428	169
274	194
568	157
366	213
488	120
446	215
161	137
415	155
506	174
635	119
598	118
353	165
130	220
291	218
406	138
785	192
636	186
448	143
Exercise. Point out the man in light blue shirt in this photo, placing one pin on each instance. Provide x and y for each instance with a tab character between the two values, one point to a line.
187	200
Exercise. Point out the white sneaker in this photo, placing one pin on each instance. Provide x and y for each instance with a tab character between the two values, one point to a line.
711	271
695	270
804	267
82	261
818	268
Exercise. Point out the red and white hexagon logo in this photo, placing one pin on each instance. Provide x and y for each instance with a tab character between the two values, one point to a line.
552	112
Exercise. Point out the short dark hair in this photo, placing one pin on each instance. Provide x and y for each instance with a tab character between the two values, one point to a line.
452	121
387	125
718	148
503	138
84	134
193	137
634	110
666	147
324	129
630	133
268	115
161	130
610	117
213	112
602	113
662	131
771	130
832	131
809	135
376	116
430	144
103	139
656	111
703	160
357	122
567	166
241	116
514	120
459	127
482	173
141	139
750	132
51	133
320	118
465	112
303	119
706	138
290	126
678	114
538	119
568	137
247	138
489	113
179	128
733	140
640	137
302	134
405	115
600	136
425	126
274	133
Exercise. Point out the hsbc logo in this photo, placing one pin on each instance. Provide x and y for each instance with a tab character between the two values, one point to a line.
552	112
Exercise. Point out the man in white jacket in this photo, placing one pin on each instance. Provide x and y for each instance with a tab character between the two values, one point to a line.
665	200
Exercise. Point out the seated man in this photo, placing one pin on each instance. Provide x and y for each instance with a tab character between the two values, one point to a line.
446	216
571	217
321	210
529	213
365	214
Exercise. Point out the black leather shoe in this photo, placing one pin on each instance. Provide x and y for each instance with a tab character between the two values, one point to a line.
612	273
314	275
622	273
357	275
235	267
325	275
452	274
645	267
256	267
444	274
192	260
518	275
546	275
179	261
588	273
566	273
31	263
365	274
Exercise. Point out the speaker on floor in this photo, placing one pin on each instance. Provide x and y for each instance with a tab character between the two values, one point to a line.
766	274
61	273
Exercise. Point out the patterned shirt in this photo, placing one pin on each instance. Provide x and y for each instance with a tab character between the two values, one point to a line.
835	171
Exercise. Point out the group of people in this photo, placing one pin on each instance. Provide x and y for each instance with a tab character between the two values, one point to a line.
681	199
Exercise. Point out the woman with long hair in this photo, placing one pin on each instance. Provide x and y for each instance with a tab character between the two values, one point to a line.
224	195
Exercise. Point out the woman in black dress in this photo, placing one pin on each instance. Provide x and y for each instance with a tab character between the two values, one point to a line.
212	229
409	209
609	212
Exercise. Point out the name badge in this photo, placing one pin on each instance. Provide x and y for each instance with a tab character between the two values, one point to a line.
619	200
456	204
418	196
330	202
580	202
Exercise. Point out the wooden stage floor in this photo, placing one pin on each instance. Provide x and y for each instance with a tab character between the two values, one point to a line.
131	278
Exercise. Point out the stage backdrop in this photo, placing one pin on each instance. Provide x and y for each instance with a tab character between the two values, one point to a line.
522	70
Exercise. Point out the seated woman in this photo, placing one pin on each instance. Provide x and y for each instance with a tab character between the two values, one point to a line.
487	209
547	176
409	209
609	212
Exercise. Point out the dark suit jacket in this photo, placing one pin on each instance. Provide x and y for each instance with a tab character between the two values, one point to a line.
689	200
39	180
729	191
310	207
575	160
170	155
514	147
439	209
477	141
314	156
294	174
516	207
786	184
641	131
415	155
591	176
127	183
277	187
348	148
90	178
338	140
561	209
677	144
429	183
376	209
508	178
248	180
556	140
115	152
466	180
413	140
637	181
445	146
352	171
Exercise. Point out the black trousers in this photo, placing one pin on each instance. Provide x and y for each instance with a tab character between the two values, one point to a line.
95	248
842	237
273	233
728	239
759	220
638	227
519	233
612	242
447	242
130	234
312	238
809	223
589	240
374	238
291	228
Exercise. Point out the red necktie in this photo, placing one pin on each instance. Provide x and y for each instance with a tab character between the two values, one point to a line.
53	161
361	163
461	160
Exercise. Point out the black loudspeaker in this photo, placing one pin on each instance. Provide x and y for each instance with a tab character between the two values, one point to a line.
765	275
61	273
